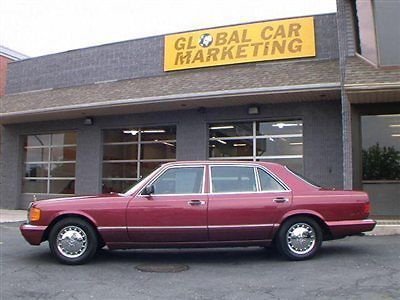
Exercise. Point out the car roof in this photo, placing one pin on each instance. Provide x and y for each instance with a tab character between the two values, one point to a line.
224	162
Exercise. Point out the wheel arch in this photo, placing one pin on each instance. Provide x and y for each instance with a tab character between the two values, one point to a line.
63	216
327	235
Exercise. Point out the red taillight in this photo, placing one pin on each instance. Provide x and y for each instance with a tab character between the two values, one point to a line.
367	208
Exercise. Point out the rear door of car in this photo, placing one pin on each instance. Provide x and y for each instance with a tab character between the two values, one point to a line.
245	202
175	212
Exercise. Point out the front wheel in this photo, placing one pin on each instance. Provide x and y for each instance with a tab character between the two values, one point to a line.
299	238
73	241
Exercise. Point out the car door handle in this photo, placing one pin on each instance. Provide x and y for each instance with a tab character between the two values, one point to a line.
196	202
280	200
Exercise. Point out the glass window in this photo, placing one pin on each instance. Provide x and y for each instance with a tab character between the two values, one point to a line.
132	153
278	141
228	179
268	183
180	181
49	161
381	147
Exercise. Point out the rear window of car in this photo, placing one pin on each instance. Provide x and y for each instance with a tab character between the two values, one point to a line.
268	183
302	177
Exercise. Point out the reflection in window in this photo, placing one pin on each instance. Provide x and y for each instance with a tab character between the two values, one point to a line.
279	141
49	161
132	153
229	179
267	183
180	181
381	147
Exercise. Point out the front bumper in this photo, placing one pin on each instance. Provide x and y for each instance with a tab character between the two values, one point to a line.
350	227
33	234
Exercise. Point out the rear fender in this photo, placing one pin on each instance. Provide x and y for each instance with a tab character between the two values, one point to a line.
297	212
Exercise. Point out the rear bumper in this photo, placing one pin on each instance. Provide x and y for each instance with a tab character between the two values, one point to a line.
33	234
343	228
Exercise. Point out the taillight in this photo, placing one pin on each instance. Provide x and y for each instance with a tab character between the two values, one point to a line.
367	208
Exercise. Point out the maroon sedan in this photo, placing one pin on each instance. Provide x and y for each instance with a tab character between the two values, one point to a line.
202	204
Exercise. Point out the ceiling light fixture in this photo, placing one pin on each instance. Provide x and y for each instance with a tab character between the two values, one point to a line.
154	131
133	132
222	127
280	125
222	142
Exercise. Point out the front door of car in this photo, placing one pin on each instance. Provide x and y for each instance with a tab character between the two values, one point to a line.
244	203
174	211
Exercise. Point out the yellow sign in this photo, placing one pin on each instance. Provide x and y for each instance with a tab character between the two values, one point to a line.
272	40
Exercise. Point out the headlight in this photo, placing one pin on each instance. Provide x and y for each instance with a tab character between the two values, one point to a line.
34	214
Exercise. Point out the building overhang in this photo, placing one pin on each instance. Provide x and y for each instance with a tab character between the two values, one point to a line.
373	92
211	99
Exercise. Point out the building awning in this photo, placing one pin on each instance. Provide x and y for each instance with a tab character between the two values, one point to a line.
285	81
368	84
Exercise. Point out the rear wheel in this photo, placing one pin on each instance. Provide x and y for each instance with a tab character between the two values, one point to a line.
73	241
299	238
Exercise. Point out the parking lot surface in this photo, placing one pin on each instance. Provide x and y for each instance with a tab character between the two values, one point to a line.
352	268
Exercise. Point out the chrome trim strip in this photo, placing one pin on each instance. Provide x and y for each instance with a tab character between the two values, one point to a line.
182	227
240	226
29	226
112	228
166	227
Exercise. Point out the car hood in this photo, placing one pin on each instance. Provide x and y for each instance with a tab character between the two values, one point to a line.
75	199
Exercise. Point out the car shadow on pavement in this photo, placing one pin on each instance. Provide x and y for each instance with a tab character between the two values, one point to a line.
198	256
214	256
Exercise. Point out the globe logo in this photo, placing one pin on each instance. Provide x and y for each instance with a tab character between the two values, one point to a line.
205	40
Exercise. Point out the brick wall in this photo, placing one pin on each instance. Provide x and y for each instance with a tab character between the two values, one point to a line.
123	60
3	73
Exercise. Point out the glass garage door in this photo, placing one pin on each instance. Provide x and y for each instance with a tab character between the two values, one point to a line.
130	154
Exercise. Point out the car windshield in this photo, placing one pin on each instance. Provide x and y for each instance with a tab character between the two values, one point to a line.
302	177
131	188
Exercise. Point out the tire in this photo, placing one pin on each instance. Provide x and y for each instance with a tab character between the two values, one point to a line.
73	241
299	238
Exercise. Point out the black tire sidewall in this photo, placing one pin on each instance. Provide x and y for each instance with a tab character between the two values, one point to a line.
92	241
282	244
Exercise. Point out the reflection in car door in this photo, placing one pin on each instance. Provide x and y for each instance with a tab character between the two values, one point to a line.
238	209
176	212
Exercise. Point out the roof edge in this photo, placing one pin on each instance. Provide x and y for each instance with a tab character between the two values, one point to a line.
176	97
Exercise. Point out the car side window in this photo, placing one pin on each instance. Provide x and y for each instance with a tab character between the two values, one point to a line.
230	179
184	180
268	183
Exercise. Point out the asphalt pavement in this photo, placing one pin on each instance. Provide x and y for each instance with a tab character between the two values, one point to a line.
352	268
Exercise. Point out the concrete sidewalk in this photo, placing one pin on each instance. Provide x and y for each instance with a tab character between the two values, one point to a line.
12	215
384	227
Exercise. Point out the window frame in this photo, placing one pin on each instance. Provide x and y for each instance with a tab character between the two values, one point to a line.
137	160
255	167
140	193
49	161
254	138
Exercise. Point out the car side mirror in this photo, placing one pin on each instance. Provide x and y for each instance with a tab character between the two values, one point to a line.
148	190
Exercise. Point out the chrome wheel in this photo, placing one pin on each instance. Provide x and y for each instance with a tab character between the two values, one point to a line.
300	238
72	241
